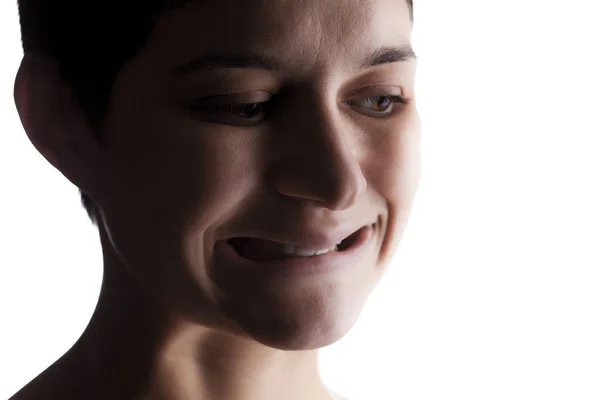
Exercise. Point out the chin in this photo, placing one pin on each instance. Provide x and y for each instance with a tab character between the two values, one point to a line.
305	326
308	337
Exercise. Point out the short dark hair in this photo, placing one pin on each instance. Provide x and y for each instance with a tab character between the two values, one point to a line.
91	41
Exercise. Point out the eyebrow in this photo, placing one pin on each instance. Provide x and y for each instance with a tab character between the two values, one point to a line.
214	61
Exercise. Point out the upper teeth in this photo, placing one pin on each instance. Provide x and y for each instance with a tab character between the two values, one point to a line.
297	251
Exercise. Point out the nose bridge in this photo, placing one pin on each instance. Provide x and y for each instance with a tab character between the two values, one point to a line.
321	160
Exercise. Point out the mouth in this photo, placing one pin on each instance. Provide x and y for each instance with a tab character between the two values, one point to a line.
261	250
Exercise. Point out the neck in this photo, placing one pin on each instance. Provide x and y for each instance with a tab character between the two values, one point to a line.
134	349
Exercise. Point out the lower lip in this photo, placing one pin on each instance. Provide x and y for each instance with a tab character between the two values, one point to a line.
297	267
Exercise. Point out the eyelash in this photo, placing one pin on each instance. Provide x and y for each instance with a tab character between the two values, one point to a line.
240	108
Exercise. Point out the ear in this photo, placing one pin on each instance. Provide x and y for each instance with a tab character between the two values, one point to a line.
54	122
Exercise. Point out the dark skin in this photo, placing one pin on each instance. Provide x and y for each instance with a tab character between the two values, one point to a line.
176	319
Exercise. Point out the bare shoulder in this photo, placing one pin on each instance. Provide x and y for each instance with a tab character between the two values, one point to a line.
39	388
56	382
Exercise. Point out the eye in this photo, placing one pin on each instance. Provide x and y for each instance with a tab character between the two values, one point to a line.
247	114
380	106
235	114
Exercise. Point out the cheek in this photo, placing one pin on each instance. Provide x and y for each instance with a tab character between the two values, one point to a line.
394	174
394	162
175	178
184	168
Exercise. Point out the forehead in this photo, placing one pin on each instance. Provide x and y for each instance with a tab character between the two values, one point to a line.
313	32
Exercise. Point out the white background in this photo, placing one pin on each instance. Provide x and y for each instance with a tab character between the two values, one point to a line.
495	290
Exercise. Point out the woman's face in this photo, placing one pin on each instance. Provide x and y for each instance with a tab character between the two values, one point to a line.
246	125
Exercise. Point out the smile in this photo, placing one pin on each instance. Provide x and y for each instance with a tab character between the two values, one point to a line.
291	261
261	250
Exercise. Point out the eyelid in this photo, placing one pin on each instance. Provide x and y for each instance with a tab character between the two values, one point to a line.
236	98
382	90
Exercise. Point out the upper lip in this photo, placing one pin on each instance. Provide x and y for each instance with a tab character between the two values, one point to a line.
309	239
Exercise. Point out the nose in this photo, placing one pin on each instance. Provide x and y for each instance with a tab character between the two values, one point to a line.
320	163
